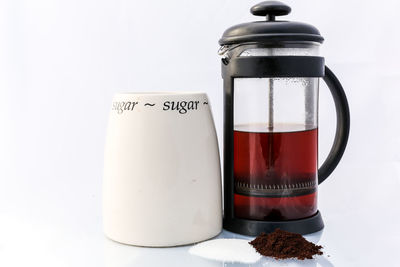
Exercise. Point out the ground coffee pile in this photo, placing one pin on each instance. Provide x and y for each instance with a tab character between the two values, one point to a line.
283	245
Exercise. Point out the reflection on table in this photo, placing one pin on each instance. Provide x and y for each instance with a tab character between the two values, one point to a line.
120	255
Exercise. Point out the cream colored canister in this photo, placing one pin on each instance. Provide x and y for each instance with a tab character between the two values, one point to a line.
162	181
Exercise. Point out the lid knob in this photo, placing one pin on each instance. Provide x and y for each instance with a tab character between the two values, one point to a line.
270	9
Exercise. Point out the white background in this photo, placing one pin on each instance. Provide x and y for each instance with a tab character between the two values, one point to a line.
62	61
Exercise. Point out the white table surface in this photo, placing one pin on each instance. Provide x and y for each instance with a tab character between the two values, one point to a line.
63	226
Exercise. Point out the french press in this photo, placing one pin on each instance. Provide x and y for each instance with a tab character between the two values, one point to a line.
271	72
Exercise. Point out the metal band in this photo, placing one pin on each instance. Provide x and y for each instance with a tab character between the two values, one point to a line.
274	66
276	190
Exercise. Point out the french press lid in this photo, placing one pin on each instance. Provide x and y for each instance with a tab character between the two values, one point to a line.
270	29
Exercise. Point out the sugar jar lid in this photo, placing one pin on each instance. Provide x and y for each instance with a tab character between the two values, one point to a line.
270	30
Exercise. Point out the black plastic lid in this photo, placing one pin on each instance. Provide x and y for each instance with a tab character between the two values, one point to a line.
271	29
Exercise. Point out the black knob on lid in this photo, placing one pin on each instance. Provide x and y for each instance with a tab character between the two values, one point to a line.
271	31
270	9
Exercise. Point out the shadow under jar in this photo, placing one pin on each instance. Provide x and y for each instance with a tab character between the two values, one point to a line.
275	140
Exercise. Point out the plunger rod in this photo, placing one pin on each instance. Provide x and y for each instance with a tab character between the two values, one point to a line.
271	105
270	124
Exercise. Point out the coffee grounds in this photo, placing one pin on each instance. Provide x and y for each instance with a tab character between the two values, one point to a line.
284	245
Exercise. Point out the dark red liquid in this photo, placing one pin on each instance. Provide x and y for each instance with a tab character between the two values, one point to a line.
275	173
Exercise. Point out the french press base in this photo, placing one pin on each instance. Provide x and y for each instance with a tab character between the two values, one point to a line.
271	72
250	227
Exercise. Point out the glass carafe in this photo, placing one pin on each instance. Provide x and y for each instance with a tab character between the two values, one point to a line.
275	141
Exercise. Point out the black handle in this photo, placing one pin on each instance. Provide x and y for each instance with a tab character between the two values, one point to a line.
270	9
342	126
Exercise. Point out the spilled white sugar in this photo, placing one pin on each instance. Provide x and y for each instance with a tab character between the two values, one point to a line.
228	250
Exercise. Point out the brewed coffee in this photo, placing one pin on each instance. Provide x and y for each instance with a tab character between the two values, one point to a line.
275	171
